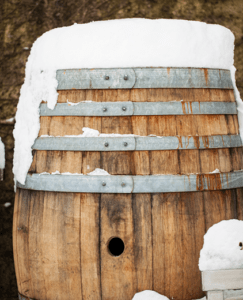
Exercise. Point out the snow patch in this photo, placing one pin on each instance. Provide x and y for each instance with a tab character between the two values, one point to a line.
215	171
238	100
76	103
2	155
222	248
149	295
89	132
58	173
98	171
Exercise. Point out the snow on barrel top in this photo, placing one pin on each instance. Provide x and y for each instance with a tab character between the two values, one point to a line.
110	44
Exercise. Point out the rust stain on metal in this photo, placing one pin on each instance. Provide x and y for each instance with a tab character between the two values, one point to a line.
199	182
179	142
227	178
206	75
191	107
196	141
211	182
223	139
183	107
188	179
186	107
187	138
168	71
205	141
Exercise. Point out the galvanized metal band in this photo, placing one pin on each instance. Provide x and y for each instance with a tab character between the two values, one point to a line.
136	143
85	143
187	183
139	108
79	183
133	184
127	78
89	109
188	142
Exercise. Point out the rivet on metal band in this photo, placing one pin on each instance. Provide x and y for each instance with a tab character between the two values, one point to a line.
107	77
106	144
104	109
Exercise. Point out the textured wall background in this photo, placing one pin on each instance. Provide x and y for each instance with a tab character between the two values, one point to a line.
24	21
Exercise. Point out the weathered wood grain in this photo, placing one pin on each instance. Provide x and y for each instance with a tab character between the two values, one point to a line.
50	249
22	243
16	213
118	280
218	205
36	242
90	247
143	241
139	95
178	229
183	125
168	266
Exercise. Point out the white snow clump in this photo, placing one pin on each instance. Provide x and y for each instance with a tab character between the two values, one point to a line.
149	295
222	246
98	171
2	155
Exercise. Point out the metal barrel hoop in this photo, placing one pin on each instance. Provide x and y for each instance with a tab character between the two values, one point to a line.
127	78
133	184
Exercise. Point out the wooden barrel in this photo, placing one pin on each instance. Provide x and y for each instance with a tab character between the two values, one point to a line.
141	228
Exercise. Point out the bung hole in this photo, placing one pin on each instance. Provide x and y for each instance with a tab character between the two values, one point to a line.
116	246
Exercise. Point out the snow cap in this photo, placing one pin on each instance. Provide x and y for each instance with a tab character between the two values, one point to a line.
110	44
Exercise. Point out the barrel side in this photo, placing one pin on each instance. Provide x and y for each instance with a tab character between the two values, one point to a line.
162	232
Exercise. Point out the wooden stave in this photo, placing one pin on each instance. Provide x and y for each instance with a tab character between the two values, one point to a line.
93	157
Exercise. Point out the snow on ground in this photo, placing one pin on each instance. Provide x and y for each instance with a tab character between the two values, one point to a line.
111	44
222	248
149	295
2	155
